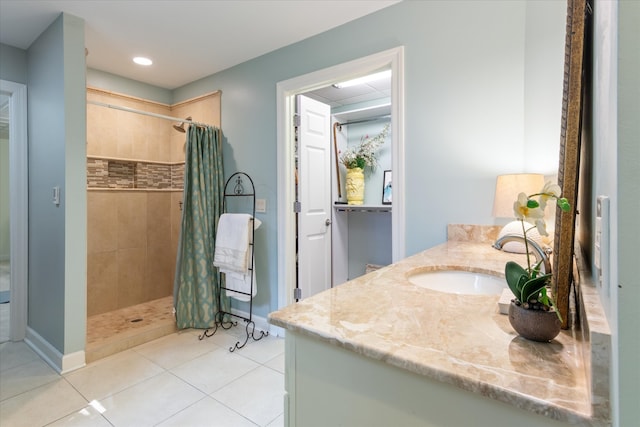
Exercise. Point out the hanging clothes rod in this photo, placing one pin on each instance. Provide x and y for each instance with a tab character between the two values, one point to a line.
146	113
372	119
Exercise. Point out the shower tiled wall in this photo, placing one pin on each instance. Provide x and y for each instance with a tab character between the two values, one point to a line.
124	135
135	167
131	247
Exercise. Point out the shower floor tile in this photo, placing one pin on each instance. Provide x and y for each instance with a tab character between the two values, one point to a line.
118	330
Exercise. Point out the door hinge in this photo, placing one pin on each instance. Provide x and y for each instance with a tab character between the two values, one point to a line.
297	207
297	293
296	120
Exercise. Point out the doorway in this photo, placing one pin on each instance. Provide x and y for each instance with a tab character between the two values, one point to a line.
286	93
14	109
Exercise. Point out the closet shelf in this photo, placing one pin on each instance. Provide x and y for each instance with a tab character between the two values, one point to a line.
362	208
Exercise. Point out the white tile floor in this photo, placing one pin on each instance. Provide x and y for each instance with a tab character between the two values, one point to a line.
172	381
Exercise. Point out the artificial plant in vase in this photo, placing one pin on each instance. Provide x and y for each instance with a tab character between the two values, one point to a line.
533	307
357	159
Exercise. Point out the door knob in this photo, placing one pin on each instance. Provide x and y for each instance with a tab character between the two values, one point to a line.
327	222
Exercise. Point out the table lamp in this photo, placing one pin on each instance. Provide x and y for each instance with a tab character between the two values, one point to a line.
507	189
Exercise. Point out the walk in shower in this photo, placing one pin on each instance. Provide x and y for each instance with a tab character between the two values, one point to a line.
135	169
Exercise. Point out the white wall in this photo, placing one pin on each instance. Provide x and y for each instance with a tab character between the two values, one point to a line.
544	50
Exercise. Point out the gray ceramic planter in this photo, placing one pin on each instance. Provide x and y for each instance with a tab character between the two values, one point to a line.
535	325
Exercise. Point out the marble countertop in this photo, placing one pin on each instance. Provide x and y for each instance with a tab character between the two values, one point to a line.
457	339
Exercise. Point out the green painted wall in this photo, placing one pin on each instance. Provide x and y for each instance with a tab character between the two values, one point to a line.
615	173
469	102
628	195
13	64
462	60
115	83
57	234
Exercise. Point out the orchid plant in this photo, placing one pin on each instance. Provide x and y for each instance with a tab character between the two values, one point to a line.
527	285
365	154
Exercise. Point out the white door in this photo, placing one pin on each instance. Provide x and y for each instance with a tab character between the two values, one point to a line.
18	204
314	195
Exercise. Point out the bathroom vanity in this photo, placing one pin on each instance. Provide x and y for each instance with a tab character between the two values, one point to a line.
381	351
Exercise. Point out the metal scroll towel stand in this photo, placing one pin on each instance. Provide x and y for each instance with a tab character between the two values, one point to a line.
235	187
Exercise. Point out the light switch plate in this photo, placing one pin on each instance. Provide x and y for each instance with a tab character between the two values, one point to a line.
601	241
55	196
261	205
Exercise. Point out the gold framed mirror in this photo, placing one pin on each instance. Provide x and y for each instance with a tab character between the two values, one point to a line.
569	164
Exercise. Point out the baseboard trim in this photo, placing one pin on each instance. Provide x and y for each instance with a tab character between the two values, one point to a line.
62	363
262	324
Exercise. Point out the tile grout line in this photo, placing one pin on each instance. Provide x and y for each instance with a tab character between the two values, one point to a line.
136	351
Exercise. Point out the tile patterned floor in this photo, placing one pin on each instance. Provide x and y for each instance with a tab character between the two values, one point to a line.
176	380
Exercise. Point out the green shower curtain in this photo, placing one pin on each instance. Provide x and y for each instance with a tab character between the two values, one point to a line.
196	289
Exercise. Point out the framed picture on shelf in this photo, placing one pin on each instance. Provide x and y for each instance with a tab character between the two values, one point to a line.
386	188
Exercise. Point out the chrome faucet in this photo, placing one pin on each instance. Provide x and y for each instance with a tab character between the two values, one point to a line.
540	253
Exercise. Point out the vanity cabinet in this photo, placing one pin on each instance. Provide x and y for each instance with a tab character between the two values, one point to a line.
382	351
326	385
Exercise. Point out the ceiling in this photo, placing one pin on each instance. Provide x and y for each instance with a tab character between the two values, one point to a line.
356	102
187	40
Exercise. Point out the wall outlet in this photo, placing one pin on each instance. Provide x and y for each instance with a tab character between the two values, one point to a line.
261	205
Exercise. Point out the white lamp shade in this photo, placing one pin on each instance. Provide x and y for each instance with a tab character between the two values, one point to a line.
507	189
509	186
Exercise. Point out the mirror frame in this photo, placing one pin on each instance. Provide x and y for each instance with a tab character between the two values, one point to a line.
569	164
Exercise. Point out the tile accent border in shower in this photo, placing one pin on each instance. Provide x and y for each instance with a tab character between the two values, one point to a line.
125	174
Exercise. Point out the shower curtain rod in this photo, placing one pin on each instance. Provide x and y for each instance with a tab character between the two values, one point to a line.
372	119
146	113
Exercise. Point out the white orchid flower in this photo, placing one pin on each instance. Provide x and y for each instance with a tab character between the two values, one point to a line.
542	227
523	212
549	191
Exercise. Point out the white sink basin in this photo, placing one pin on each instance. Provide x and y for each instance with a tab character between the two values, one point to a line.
458	282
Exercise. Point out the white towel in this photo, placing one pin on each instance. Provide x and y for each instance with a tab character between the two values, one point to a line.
232	243
232	252
240	282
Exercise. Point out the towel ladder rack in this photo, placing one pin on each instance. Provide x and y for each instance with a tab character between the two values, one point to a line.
235	187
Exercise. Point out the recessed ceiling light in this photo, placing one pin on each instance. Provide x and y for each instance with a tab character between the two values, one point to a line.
141	60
